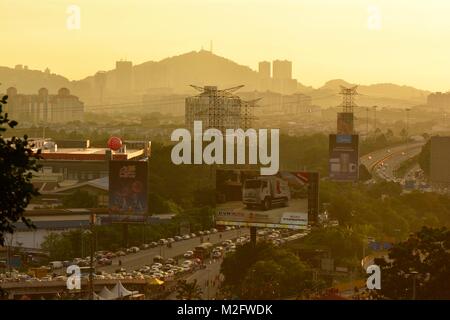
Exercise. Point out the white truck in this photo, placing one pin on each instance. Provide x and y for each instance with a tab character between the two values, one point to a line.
265	191
56	265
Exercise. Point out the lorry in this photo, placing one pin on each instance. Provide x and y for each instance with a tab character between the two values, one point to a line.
264	192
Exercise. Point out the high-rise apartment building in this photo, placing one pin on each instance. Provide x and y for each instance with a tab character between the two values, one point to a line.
124	77
282	69
439	100
264	69
44	107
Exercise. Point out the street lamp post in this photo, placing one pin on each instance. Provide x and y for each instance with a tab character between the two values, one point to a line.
91	261
414	275
375	118
208	281
367	122
407	128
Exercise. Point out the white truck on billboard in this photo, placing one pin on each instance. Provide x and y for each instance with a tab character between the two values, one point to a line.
265	191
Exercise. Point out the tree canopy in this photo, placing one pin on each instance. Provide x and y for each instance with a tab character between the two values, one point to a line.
265	272
17	162
425	256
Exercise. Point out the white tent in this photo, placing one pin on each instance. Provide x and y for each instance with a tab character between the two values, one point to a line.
98	297
119	291
106	294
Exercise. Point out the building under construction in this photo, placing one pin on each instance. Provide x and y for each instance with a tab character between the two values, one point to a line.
219	109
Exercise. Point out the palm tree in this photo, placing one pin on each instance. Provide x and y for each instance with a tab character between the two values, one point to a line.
189	291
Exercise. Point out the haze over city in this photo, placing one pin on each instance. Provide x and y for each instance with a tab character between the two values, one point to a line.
238	152
324	39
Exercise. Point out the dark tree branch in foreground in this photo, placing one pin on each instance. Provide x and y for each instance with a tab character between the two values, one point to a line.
17	162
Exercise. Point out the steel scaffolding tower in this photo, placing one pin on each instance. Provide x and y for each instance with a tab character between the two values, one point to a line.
219	109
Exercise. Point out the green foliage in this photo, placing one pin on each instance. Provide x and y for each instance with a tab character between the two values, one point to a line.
345	245
378	141
80	199
17	161
74	243
424	157
65	246
188	290
405	166
383	207
309	152
426	252
364	173
176	183
264	272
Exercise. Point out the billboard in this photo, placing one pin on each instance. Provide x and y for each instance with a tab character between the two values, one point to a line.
345	123
439	161
343	157
246	198
128	182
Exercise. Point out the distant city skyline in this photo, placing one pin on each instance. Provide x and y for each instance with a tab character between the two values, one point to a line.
364	42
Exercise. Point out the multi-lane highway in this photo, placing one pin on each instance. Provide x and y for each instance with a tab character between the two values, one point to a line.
382	163
137	260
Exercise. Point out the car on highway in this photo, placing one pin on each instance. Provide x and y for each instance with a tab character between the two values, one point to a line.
167	267
84	263
170	260
159	275
56	264
104	262
214	230
188	264
216	254
218	248
188	254
170	273
120	253
144	246
158	259
170	240
186	237
66	263
153	244
178	238
201	233
227	243
145	269
177	270
193	235
162	242
110	255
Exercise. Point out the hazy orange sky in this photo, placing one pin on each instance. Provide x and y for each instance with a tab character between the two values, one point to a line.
325	39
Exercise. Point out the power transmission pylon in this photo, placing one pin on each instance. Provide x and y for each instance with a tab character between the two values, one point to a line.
348	102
